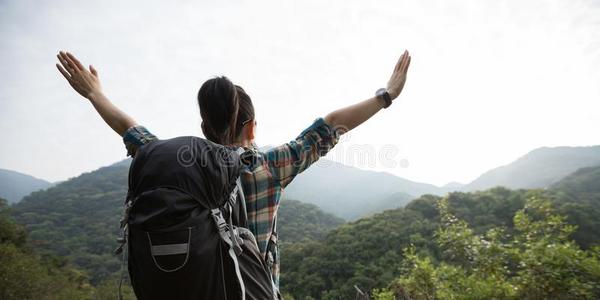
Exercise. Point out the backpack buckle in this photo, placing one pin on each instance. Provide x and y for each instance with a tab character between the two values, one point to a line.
218	218
233	195
229	235
122	240
118	250
125	218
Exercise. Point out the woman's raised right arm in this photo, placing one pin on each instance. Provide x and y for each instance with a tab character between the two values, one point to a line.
87	84
349	117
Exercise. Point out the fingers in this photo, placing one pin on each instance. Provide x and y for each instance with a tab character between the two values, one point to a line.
63	72
93	70
397	66
399	63
407	65
71	67
65	64
68	63
74	60
402	61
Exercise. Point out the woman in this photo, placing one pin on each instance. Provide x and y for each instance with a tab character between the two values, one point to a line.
228	118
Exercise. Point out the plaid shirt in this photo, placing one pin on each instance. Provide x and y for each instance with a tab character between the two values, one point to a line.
264	181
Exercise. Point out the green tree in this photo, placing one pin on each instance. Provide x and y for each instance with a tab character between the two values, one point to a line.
25	275
537	261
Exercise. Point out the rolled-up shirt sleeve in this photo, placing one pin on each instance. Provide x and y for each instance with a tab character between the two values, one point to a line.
291	159
135	137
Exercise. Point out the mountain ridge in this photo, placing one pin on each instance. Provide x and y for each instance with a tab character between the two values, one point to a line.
539	168
348	191
15	185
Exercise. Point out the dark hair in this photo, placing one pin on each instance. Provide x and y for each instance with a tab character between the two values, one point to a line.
224	107
245	111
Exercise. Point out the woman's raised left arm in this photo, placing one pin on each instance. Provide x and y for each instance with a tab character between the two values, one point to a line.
87	84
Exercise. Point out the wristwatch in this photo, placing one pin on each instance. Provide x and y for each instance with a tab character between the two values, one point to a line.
383	94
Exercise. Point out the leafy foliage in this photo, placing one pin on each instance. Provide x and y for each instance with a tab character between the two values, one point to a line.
368	252
26	275
361	253
537	262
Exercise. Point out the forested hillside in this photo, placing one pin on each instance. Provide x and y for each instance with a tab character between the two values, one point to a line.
28	275
369	253
578	198
581	186
535	259
78	219
300	221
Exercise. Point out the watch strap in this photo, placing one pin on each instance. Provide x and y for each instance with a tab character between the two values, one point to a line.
382	93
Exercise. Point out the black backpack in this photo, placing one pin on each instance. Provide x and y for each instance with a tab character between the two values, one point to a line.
185	225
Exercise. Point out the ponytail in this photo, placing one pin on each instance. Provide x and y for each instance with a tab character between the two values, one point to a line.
232	134
219	104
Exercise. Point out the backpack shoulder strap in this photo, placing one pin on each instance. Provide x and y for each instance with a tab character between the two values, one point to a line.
242	214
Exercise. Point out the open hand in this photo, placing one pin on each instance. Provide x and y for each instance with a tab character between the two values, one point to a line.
85	82
398	78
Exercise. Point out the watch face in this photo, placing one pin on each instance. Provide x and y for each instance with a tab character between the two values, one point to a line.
383	94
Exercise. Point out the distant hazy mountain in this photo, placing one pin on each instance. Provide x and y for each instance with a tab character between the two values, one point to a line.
350	193
453	186
15	185
539	168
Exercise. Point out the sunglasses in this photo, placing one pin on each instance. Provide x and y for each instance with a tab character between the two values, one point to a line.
248	121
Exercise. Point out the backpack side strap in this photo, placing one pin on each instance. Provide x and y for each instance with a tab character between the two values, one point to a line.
230	236
122	249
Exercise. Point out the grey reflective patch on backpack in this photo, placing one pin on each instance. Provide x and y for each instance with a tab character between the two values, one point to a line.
170	250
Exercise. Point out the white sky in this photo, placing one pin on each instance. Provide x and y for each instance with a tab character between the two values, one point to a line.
489	80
